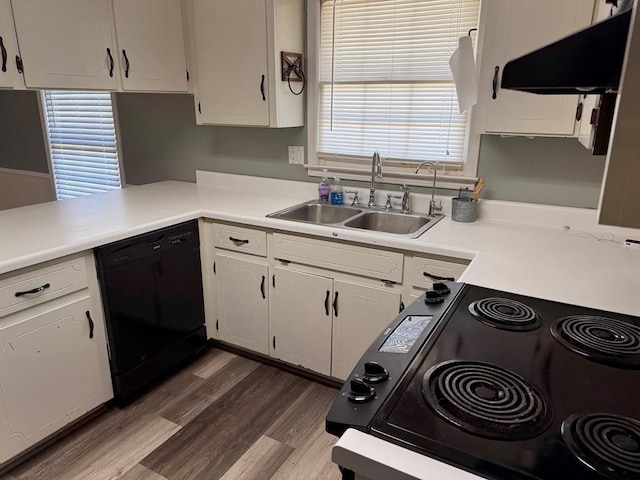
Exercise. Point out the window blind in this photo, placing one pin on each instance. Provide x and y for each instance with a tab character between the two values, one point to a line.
82	142
385	82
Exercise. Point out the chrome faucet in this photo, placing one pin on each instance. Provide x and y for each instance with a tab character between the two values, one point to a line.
376	171
433	207
405	198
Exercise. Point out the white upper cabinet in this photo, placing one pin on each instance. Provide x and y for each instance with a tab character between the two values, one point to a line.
10	77
511	28
237	55
587	131
151	45
66	43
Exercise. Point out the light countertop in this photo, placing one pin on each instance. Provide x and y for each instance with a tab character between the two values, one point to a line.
543	261
554	253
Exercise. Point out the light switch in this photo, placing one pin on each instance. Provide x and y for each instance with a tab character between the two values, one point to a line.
296	155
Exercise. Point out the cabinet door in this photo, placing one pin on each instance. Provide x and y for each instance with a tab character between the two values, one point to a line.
301	319
151	45
243	309
50	372
231	55
513	28
9	75
66	44
587	132
361	313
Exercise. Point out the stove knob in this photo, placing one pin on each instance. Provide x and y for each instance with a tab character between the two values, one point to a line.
375	373
441	288
360	392
433	297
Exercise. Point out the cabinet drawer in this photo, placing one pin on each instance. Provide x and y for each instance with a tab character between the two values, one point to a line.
425	271
240	239
363	261
41	285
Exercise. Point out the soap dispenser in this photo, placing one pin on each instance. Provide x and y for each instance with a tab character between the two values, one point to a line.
337	193
324	188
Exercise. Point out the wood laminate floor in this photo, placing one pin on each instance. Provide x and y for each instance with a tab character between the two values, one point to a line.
222	417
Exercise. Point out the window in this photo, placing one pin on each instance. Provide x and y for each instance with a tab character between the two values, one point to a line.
82	142
384	83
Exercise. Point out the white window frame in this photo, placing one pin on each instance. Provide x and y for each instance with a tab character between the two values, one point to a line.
45	134
394	172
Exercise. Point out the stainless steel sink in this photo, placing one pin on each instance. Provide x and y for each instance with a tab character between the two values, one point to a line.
362	218
404	224
313	212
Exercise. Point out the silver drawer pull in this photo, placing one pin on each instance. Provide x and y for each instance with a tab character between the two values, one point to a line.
35	290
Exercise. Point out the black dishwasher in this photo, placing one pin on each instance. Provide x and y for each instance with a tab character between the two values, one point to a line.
153	300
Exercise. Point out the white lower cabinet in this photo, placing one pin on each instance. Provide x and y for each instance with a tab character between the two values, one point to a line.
301	319
52	370
361	314
242	301
323	324
310	302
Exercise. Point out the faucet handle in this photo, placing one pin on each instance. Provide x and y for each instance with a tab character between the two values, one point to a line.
355	196
435	207
388	205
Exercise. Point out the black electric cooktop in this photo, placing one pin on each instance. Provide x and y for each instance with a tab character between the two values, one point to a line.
506	386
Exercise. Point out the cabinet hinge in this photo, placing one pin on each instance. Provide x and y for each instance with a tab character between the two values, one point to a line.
274	342
401	306
273	281
217	325
284	262
188	76
214	267
109	351
19	64
199	108
389	282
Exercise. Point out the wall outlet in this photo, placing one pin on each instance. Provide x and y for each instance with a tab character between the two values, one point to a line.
296	155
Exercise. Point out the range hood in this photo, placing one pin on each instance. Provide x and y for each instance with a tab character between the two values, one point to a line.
588	61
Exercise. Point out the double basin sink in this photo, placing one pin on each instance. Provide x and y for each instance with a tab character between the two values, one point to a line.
408	225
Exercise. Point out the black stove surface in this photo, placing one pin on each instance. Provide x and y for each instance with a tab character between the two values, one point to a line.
523	402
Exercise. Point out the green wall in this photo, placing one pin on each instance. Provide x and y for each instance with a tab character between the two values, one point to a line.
554	171
160	141
22	144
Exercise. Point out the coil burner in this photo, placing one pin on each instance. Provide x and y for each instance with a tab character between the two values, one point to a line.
608	444
600	339
486	400
505	314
